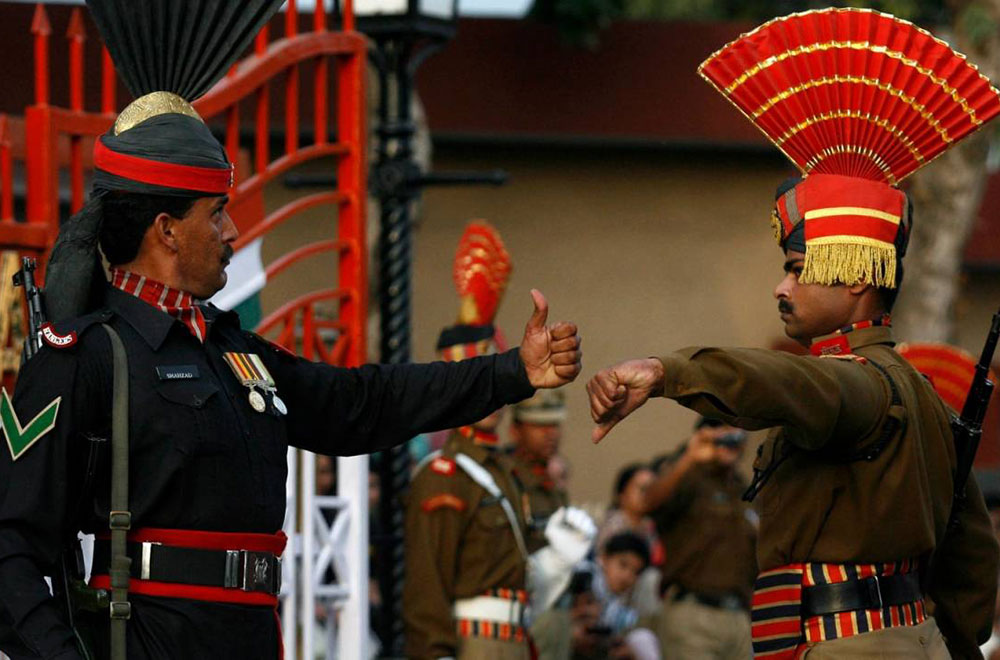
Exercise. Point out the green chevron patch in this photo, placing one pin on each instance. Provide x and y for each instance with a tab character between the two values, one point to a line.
20	438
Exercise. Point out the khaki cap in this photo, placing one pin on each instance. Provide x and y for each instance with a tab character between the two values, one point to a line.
546	407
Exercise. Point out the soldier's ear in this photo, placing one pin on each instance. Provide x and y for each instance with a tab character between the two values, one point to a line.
163	228
860	288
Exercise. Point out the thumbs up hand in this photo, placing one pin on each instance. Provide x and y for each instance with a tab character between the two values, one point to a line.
551	354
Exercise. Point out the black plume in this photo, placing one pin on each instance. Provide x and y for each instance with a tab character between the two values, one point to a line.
74	278
179	46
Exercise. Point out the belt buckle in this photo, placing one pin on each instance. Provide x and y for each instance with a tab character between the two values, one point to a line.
874	588
248	570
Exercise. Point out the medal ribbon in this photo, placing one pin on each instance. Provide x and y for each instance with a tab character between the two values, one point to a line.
249	368
251	372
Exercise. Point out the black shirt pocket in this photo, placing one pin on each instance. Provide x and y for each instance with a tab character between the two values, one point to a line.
192	412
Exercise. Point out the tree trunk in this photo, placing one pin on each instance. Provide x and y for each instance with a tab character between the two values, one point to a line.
946	197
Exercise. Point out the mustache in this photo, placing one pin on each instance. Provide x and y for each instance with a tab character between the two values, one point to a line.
785	307
227	252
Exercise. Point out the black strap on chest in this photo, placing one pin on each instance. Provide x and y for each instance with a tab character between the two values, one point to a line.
890	428
119	518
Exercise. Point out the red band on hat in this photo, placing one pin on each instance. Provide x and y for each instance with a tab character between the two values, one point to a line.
851	225
168	175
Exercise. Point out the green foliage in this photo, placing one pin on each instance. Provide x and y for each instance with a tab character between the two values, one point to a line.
976	22
579	21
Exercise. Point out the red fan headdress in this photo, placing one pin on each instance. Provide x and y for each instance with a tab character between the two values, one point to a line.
949	369
858	100
481	271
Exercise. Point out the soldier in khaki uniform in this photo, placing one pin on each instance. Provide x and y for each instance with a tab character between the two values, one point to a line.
462	550
710	535
467	562
536	432
854	483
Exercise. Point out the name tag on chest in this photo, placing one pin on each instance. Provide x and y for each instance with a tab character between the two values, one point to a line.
178	372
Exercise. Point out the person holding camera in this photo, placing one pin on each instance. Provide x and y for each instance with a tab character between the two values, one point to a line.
709	534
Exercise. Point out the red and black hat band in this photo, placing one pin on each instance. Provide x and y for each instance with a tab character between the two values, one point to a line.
170	154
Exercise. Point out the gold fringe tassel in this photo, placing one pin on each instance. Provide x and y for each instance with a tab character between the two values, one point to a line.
850	263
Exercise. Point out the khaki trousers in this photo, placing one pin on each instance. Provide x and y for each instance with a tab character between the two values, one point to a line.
910	642
478	648
688	630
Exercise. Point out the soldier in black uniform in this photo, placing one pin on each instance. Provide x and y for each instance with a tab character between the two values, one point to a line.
212	410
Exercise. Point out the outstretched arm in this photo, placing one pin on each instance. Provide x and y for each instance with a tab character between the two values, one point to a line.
353	411
814	399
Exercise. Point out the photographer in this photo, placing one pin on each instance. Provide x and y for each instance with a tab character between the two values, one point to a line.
709	537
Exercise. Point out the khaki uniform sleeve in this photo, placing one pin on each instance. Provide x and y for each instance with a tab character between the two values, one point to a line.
433	540
816	400
964	579
672	508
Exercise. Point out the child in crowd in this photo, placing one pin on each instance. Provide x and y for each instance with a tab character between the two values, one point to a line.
607	628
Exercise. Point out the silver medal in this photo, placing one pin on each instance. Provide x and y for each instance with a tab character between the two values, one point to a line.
279	404
257	401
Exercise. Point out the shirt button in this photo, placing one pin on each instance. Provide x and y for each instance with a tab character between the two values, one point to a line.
197	401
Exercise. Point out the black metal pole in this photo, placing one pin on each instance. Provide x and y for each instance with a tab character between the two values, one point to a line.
391	181
396	181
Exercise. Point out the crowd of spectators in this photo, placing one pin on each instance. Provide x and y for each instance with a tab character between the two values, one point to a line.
672	564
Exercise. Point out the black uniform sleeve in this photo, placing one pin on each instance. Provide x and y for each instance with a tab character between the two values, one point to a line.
344	412
39	494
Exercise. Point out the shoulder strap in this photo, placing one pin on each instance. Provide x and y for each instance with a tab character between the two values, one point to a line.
889	428
482	476
120	518
870	452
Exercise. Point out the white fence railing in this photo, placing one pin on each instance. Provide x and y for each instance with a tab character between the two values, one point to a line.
325	569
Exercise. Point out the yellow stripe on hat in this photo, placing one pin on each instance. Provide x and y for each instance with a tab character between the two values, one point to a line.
852	210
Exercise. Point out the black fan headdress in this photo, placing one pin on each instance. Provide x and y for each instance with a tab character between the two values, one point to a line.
169	53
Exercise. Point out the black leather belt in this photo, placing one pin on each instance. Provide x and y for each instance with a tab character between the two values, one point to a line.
726	601
234	569
872	593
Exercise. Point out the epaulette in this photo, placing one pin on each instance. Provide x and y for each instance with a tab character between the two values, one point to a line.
845	356
65	334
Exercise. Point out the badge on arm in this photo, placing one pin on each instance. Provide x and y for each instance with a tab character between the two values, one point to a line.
20	438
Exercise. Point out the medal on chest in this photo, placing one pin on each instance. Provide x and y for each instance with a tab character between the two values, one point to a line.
249	369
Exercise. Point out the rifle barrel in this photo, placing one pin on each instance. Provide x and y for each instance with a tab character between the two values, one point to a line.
991	342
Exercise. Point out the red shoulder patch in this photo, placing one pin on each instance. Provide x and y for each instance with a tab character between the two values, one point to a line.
444	466
56	340
443	501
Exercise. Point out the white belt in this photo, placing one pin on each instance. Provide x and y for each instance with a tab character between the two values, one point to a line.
489	608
